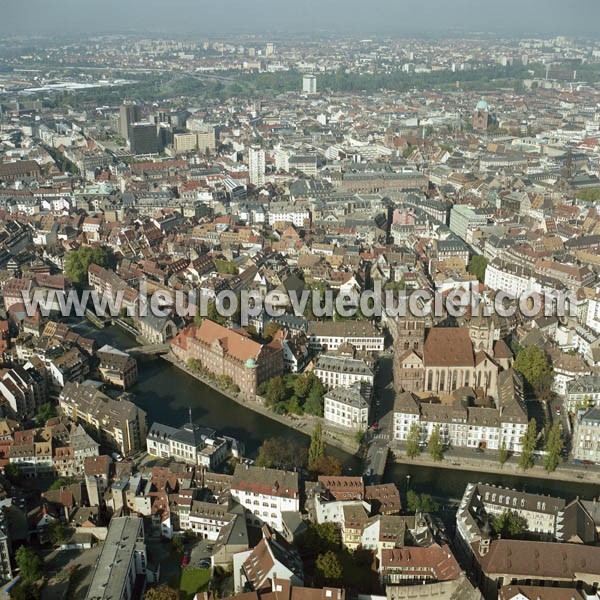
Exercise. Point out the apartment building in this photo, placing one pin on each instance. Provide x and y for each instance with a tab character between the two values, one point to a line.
341	371
586	436
118	423
117	368
266	494
348	407
120	570
206	519
463	424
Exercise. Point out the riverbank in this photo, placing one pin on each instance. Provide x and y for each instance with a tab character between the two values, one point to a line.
479	465
305	425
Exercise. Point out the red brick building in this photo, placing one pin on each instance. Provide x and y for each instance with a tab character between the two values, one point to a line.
232	353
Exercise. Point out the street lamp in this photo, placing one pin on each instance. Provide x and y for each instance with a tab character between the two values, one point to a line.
407	482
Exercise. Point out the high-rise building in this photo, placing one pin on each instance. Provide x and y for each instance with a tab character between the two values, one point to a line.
256	165
128	114
143	138
205	138
270	49
309	84
184	142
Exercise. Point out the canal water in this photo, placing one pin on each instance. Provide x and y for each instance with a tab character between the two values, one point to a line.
167	394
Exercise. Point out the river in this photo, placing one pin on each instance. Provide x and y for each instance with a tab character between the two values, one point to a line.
167	394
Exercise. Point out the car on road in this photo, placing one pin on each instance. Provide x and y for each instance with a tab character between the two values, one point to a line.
479	450
204	563
185	561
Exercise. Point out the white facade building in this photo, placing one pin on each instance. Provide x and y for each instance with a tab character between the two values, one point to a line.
347	407
256	166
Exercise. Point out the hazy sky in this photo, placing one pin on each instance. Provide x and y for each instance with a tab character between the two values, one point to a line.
363	17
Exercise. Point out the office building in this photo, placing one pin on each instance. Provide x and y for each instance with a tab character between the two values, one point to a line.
143	138
309	84
205	138
128	115
184	142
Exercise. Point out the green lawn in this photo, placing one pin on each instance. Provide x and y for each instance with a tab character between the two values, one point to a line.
193	581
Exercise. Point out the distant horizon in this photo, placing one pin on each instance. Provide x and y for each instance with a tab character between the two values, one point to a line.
511	18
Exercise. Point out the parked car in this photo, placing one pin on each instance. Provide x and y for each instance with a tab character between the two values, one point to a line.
185	561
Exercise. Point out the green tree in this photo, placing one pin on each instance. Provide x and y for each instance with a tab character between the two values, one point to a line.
302	386
57	532
319	538
62	482
503	453
161	592
46	411
225	267
328	568
314	401
413	440
25	591
554	447
270	330
529	443
177	546
280	453
477	266
317	447
78	262
276	391
420	503
13	473
31	565
533	364
436	446
509	525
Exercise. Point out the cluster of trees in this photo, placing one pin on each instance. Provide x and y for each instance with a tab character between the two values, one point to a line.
295	394
212	314
78	262
477	266
553	446
395	80
420	503
435	445
62	162
588	195
509	525
535	368
320	547
31	571
45	411
288	454
226	267
282	453
62	482
225	382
